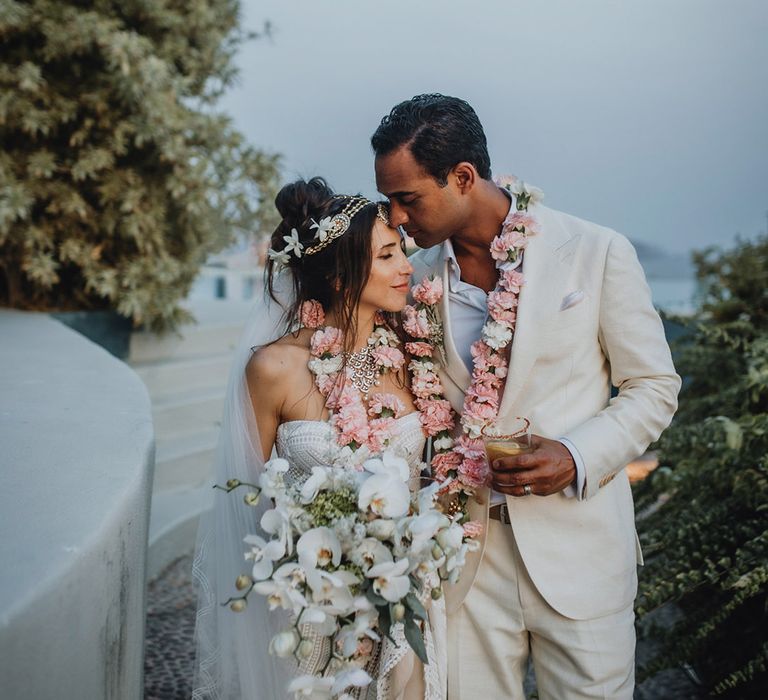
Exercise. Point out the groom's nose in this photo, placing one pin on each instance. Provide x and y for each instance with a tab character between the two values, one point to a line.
397	215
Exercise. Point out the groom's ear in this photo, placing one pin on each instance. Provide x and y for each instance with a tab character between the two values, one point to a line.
466	176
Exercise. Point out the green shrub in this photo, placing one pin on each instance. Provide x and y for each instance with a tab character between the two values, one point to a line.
705	528
117	176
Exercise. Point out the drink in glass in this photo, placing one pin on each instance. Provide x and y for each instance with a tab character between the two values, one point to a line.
513	438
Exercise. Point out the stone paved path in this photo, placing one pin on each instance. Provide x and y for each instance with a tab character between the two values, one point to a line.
170	655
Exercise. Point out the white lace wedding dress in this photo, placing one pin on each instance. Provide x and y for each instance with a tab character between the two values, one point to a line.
397	672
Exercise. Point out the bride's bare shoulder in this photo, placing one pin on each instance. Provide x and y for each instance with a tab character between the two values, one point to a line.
280	360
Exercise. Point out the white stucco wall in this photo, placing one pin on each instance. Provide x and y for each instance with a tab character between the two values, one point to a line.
76	457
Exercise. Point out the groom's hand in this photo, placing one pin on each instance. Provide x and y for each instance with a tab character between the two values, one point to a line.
547	469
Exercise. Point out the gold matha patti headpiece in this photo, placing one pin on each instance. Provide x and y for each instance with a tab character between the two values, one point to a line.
332	227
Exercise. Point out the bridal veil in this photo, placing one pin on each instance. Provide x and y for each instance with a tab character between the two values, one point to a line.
232	649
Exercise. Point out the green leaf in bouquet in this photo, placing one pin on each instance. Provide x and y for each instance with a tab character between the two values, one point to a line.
415	582
415	605
385	622
376	599
415	638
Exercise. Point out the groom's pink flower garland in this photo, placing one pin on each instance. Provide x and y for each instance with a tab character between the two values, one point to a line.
464	459
345	401
437	416
355	426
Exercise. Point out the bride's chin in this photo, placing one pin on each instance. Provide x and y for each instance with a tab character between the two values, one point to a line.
395	307
393	303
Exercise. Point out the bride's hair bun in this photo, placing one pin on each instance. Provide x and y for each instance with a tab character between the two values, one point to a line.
334	274
301	201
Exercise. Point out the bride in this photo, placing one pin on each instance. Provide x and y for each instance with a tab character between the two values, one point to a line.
334	262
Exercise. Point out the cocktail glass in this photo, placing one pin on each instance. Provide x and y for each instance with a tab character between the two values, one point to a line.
508	438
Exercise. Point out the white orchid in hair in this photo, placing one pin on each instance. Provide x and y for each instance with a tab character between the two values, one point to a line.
323	227
293	244
280	257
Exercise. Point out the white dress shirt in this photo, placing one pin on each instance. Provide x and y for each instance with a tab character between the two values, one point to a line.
469	312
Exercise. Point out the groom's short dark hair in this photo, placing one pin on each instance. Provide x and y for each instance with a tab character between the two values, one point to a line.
440	132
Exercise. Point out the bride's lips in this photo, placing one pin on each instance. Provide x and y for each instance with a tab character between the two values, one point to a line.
401	287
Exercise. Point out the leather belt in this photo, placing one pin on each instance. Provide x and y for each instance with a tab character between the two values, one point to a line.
500	512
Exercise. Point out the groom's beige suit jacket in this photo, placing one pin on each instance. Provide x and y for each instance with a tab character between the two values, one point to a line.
585	321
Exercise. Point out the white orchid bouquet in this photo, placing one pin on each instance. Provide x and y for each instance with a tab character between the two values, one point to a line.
350	554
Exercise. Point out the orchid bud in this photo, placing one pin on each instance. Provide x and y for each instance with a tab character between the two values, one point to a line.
306	648
242	582
238	605
437	551
251	498
436	593
398	612
233	483
284	644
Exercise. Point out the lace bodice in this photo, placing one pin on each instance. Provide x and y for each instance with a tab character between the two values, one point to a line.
309	443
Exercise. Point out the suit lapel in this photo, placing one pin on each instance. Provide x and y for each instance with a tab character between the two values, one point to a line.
545	263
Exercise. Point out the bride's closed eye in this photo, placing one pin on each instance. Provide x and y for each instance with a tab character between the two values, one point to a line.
385	252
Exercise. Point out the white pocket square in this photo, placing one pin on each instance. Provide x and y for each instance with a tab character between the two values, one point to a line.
572	299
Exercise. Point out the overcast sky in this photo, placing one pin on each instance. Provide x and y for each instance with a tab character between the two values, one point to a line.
649	116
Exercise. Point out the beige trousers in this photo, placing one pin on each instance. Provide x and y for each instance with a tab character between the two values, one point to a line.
503	619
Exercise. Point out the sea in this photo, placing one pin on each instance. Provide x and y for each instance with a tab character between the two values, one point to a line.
673	295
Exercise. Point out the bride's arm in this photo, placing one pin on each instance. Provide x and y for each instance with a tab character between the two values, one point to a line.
266	387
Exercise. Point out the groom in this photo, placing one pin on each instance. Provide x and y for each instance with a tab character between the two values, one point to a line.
556	573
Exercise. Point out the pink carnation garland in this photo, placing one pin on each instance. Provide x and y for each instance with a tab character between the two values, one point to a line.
354	424
464	459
